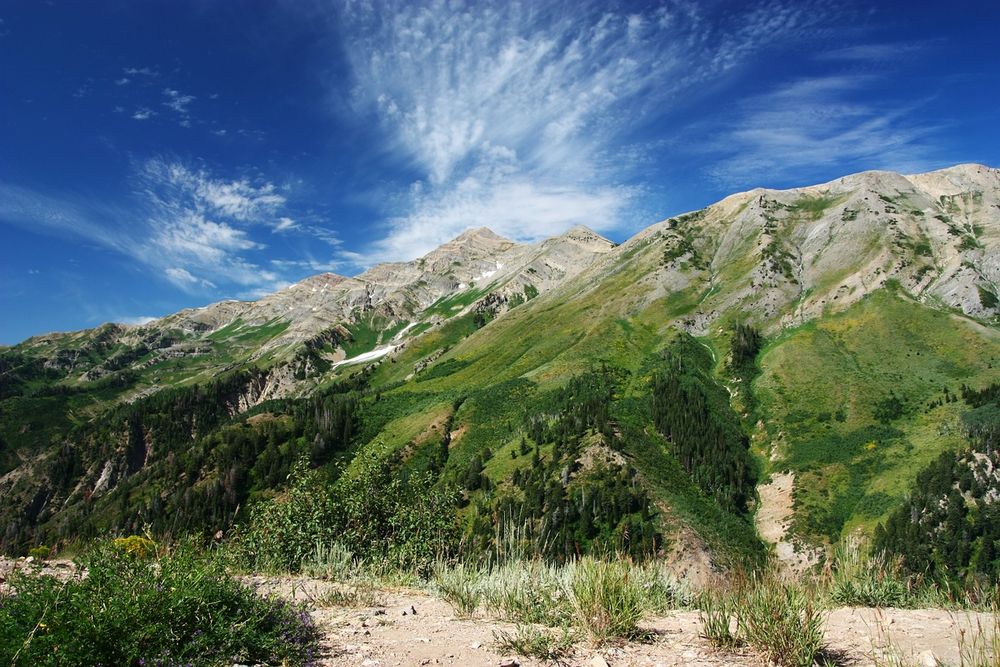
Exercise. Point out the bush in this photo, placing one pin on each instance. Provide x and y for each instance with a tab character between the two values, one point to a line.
608	602
179	607
41	552
135	546
372	512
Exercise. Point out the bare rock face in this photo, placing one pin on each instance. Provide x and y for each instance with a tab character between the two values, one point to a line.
786	256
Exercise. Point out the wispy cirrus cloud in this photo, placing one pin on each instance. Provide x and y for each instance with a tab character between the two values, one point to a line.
807	126
511	113
192	228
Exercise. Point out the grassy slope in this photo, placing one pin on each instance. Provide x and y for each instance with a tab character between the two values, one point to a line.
505	368
818	393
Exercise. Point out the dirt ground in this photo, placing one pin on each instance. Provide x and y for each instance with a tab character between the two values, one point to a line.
405	627
410	627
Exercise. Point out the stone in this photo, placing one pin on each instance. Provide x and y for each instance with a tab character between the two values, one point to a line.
598	661
928	659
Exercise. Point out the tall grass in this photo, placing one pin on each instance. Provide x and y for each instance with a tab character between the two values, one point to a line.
862	579
780	621
460	586
607	600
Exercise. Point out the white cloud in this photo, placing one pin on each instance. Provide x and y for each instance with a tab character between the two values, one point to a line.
177	101
122	81
520	209
512	113
189	227
812	124
140	71
143	113
183	278
177	184
284	224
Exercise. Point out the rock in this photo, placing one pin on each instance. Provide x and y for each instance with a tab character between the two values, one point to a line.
370	662
413	610
928	659
598	661
509	662
475	646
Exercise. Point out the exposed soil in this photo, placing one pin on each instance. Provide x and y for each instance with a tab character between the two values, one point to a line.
773	519
406	627
410	627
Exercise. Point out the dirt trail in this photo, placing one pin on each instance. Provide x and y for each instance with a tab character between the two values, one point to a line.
390	633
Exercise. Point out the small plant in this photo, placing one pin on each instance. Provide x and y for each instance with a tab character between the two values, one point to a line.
980	647
532	642
349	596
608	602
459	586
330	560
41	552
135	546
527	592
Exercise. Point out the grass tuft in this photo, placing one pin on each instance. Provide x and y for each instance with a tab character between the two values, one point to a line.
607	600
533	642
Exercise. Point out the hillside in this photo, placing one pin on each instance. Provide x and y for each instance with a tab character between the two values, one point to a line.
584	395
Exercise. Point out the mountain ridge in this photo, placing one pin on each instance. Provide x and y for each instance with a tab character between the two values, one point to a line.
482	333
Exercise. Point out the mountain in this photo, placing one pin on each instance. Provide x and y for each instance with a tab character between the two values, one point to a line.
591	395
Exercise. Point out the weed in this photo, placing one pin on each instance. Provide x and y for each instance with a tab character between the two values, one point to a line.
717	612
981	646
361	595
330	560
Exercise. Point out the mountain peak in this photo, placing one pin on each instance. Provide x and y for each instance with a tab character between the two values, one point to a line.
484	233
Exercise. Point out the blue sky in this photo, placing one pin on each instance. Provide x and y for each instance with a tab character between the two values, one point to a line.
160	155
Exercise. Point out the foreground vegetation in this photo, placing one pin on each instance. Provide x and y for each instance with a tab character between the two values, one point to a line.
136	604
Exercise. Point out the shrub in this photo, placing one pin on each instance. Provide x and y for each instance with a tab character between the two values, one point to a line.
41	552
372	512
135	546
607	601
179	607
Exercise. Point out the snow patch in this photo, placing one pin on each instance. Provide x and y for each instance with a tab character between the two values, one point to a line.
367	356
402	332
